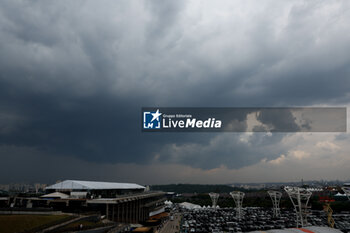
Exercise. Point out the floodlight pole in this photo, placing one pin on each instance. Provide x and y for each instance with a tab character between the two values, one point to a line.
214	199
300	199
275	197
238	198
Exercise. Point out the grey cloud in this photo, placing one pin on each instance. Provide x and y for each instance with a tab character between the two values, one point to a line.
230	150
278	120
78	73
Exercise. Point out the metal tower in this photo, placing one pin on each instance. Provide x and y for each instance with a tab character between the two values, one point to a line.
300	198
275	197
327	208
346	190
238	198
214	199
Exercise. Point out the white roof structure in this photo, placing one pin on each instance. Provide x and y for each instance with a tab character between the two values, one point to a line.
168	202
92	185
340	195
190	206
56	195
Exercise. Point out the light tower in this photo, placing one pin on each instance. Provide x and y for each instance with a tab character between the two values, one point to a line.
300	198
238	198
214	199
275	197
346	190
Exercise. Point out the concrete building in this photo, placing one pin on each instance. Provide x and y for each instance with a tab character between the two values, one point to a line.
120	202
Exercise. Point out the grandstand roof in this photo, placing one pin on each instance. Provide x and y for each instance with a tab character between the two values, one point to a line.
56	195
91	185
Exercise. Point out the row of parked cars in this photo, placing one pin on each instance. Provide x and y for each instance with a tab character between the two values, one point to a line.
254	219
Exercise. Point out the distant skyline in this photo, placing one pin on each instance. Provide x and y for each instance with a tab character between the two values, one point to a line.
74	76
235	183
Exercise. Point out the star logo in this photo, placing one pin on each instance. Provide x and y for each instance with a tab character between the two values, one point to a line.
156	115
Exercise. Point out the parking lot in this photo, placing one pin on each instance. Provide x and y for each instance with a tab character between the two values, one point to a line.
254	218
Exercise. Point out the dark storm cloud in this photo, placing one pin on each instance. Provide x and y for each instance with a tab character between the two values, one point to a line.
98	128
74	75
279	120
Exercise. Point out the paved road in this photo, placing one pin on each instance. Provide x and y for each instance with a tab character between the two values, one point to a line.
172	226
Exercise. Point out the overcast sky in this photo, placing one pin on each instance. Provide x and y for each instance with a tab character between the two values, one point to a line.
75	74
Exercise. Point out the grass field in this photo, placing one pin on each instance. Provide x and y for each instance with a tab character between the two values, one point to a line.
86	225
26	223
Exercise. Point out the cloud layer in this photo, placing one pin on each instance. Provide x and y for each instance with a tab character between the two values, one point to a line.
74	76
